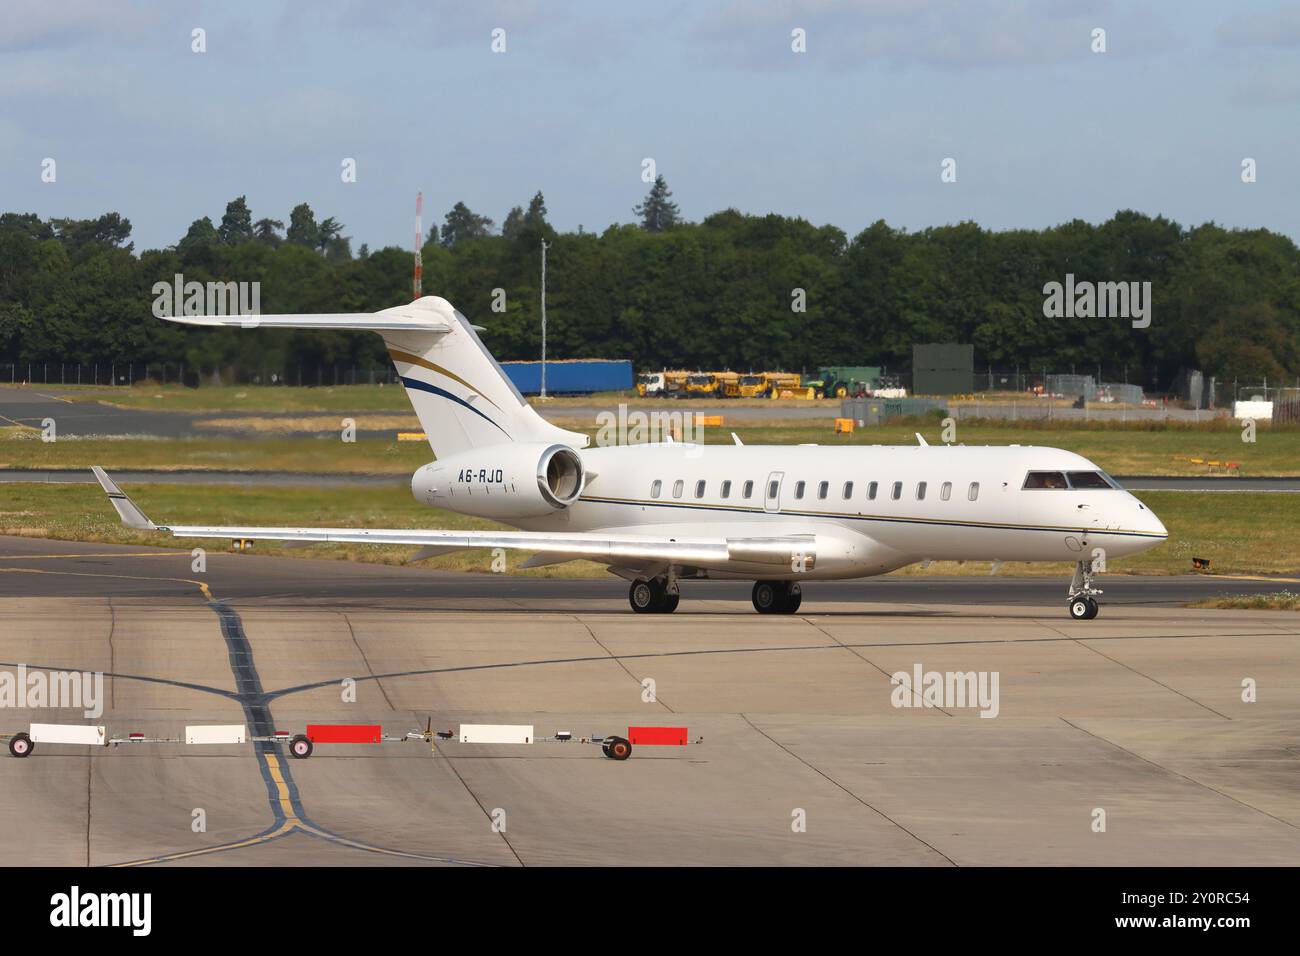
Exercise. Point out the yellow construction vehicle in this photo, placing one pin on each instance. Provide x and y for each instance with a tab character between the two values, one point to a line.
785	385
704	385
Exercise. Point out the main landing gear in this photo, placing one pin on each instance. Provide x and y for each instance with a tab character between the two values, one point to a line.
653	596
1082	604
777	597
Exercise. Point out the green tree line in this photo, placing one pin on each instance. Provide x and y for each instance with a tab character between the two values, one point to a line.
725	292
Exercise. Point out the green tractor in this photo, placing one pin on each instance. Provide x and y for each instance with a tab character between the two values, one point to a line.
842	381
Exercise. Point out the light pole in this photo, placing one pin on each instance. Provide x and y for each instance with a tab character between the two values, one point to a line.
543	394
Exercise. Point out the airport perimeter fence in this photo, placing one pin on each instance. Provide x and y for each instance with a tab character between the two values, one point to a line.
179	373
867	411
1120	389
1286	411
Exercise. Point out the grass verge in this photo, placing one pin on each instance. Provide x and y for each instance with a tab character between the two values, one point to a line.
1279	601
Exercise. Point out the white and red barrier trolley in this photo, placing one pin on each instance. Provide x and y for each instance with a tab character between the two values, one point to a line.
301	746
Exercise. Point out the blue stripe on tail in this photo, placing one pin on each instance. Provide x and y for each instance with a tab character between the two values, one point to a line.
434	389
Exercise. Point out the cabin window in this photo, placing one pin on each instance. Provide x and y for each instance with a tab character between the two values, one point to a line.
848	490
1050	480
748	490
772	488
973	491
871	491
945	491
656	486
920	491
798	489
726	489
677	488
897	491
699	489
822	489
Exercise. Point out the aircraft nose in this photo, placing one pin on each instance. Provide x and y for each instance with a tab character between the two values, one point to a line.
1149	523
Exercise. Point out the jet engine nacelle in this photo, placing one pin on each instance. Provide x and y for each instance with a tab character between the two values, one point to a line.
503	481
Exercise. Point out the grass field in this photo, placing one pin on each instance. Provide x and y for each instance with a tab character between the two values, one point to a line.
1124	450
1240	533
235	398
22	448
1278	601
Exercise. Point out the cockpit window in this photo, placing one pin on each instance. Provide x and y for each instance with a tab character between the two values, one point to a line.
1080	480
1088	479
1045	479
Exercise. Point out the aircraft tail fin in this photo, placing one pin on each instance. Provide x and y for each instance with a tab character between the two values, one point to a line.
461	395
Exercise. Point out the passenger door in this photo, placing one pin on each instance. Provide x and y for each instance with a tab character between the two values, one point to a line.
772	492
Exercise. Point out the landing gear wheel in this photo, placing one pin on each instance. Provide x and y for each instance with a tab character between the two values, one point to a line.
20	745
645	596
777	597
1083	608
300	747
617	748
768	597
670	603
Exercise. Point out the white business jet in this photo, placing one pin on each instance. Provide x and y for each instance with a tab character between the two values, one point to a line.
659	513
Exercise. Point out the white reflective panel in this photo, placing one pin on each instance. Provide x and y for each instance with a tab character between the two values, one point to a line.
216	734
67	734
496	733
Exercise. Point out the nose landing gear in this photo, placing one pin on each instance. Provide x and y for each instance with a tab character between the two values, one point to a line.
1081	602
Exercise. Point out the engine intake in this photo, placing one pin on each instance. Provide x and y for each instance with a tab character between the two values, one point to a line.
559	476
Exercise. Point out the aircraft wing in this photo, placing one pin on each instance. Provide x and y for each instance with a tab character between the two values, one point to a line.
624	550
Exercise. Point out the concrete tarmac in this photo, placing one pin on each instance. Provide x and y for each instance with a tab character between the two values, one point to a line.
1138	714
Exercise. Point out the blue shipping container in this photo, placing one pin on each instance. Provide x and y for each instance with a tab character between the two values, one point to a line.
571	376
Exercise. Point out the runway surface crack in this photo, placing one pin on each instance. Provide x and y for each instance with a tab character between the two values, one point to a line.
828	778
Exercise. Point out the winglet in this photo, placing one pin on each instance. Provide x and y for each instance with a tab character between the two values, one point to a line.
127	510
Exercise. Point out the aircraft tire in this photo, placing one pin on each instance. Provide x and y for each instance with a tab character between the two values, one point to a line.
645	596
769	597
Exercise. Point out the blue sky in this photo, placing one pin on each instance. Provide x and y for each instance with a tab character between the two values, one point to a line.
1043	130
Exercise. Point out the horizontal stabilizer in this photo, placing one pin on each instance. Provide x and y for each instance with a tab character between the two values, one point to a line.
390	320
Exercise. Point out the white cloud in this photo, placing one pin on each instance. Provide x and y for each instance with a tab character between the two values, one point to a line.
1281	28
40	24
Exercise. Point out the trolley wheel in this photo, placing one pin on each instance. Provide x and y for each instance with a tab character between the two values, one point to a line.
20	745
617	748
300	747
